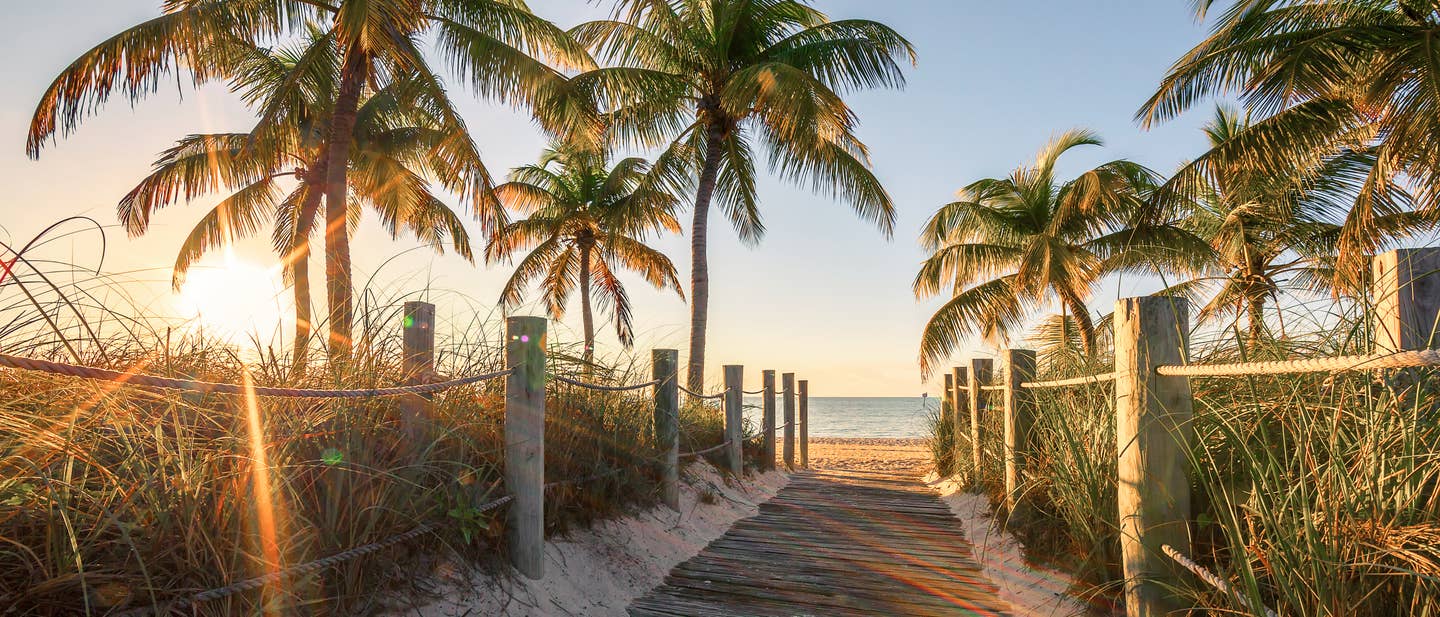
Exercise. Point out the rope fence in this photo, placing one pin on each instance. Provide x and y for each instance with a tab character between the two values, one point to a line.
1073	381
210	387
1403	359
524	415
1215	581
602	387
696	453
695	394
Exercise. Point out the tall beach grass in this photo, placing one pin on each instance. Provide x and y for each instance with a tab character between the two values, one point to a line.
113	497
1314	494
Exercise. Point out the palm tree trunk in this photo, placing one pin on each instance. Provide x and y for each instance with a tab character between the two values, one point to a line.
299	259
586	316
338	285
1082	319
1257	319
300	278
699	266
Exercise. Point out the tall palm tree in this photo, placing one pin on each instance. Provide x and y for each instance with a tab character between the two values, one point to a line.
1326	76
715	78
1010	245
1271	232
490	44
586	222
278	180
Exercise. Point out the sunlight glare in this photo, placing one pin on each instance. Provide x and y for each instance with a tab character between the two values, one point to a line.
234	299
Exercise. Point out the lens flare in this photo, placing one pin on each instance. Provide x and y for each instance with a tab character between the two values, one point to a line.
265	510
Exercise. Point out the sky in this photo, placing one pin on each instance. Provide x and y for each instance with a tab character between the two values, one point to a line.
824	294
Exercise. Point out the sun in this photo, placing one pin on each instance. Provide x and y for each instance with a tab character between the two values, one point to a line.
233	299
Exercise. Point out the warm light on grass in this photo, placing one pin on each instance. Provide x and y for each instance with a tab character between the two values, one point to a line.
234	299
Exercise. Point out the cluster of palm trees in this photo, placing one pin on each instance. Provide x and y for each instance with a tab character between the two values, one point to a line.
1333	155
353	116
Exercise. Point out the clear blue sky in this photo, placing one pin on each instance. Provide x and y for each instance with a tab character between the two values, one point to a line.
824	295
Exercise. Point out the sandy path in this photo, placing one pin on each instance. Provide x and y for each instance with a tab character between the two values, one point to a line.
909	457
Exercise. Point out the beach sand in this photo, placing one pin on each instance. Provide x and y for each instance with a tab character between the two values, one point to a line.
599	571
909	457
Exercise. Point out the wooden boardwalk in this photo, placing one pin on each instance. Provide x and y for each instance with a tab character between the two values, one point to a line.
833	543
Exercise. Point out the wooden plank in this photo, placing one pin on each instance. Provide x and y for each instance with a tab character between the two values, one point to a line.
848	543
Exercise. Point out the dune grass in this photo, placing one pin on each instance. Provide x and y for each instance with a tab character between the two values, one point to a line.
1313	494
114	497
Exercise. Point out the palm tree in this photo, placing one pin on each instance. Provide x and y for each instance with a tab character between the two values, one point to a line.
1271	232
586	222
490	44
1010	245
1326	76
278	180
714	78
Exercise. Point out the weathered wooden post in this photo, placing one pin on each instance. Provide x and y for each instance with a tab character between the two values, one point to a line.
665	365
418	365
767	456
789	447
735	418
525	442
962	410
1153	433
1019	406
805	423
947	398
981	372
1407	299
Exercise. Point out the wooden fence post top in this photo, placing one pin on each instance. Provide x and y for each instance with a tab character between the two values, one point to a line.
665	367
1019	411
418	340
735	417
1153	434
1407	299
525	443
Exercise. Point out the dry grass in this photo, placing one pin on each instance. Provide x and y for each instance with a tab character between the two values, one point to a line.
1314	494
115	497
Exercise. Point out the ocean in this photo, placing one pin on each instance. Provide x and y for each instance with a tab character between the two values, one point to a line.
869	416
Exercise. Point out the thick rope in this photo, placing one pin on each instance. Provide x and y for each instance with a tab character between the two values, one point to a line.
705	451
699	395
209	387
1429	357
1074	381
307	567
1215	581
760	391
604	388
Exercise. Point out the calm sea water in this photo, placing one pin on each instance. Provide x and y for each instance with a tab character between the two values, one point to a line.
857	416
